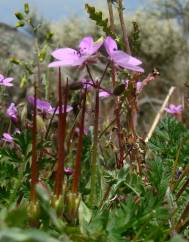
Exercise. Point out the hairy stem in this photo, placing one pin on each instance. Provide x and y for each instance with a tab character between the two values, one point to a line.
111	15
79	147
34	166
117	110
94	150
61	138
123	26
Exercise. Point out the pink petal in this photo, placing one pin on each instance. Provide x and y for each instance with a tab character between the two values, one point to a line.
65	54
121	56
8	79
110	45
86	45
60	63
130	67
1	77
104	94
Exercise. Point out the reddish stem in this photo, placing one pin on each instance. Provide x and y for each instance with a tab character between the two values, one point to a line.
79	147
34	166
61	138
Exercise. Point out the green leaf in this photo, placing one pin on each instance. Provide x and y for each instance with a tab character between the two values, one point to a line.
18	235
12	217
101	22
85	215
177	238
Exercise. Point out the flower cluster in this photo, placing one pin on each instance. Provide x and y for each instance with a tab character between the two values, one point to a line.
86	53
45	107
174	109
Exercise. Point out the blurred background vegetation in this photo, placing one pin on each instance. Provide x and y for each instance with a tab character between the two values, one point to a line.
163	43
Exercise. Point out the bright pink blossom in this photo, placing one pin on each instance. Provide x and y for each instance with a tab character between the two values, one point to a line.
121	58
72	57
45	107
104	94
42	105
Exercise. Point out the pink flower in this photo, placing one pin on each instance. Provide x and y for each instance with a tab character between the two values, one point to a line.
121	58
7	138
42	105
7	82
12	112
45	107
103	94
68	171
72	57
174	109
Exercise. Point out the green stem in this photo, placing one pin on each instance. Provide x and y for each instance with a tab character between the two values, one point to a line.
118	123
61	138
34	165
94	150
79	147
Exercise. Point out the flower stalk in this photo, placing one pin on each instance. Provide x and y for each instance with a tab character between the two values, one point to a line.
61	137
118	123
94	149
34	165
79	146
119	161
123	27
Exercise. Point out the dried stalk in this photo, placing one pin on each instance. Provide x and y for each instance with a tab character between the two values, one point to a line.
159	114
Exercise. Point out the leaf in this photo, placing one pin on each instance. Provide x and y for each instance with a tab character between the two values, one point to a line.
12	217
102	22
177	238
85	215
19	235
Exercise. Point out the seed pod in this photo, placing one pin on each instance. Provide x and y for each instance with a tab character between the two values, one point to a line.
26	8
20	24
119	89
19	15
